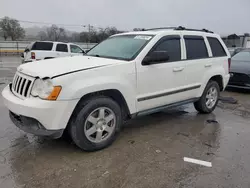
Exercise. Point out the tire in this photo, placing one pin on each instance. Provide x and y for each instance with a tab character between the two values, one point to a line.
201	105
91	128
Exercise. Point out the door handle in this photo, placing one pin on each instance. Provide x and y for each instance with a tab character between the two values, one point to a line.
178	69
208	65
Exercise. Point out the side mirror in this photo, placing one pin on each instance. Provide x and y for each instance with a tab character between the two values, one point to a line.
86	51
155	57
27	50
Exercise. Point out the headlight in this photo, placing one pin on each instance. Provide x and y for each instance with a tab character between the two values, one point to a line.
45	89
36	88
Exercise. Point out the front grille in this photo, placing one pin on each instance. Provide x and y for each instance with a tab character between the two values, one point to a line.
239	79
21	85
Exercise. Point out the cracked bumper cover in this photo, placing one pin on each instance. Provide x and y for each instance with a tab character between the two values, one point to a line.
31	125
37	116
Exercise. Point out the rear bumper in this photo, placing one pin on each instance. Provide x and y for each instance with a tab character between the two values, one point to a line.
26	61
29	60
226	80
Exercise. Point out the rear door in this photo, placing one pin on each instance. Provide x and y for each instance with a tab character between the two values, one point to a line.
75	50
62	50
197	62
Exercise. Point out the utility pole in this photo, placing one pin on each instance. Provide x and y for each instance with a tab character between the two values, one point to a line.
89	27
1	56
88	37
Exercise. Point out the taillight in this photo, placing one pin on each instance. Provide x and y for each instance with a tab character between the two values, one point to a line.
229	64
33	55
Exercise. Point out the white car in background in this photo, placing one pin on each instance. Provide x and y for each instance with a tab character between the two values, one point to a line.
41	50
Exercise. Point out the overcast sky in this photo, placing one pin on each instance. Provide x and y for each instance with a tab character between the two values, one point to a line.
223	16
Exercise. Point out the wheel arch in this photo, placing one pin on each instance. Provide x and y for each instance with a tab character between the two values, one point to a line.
219	80
114	94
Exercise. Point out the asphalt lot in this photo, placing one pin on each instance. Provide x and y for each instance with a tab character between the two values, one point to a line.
148	153
8	66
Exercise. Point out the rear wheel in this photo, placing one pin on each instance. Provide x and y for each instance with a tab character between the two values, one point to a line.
209	98
96	123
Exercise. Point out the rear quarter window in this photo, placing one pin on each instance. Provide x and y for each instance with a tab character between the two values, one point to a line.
216	47
46	46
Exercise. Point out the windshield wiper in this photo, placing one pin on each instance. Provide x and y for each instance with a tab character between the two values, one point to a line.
109	57
95	55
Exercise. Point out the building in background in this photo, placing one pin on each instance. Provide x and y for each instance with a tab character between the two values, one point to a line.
234	40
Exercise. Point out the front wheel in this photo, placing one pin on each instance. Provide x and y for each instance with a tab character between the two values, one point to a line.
96	123
209	99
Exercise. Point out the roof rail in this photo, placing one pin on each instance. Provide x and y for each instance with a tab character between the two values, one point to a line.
187	29
178	28
158	28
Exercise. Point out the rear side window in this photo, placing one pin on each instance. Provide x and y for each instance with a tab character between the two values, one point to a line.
172	46
216	47
46	46
195	47
61	48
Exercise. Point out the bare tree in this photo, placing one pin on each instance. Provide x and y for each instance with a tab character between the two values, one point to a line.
42	35
3	34
55	33
11	28
138	29
95	36
75	37
111	31
4	27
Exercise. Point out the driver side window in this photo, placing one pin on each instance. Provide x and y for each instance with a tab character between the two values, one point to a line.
170	45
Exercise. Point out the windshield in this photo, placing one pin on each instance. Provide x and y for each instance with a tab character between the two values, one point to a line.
242	56
124	47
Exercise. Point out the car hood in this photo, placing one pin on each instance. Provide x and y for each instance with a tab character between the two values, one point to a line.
240	67
60	66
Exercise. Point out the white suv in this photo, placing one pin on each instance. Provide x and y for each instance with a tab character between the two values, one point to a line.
41	50
127	75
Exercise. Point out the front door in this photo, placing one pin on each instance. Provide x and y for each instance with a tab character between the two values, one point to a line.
162	83
75	50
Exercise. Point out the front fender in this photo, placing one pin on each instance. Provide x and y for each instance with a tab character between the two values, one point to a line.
81	87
